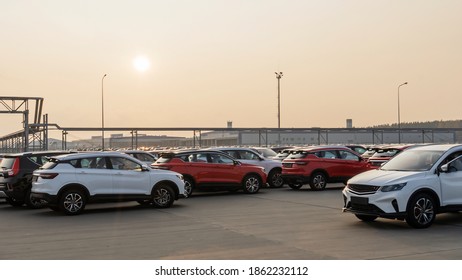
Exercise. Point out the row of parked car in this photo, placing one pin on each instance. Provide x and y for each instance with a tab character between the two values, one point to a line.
416	184
66	181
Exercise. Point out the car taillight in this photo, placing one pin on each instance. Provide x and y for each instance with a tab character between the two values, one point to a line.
48	175
15	168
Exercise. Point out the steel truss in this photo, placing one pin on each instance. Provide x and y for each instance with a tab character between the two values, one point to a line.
34	134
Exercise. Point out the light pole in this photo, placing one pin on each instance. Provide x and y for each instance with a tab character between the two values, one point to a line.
399	118
279	76
102	112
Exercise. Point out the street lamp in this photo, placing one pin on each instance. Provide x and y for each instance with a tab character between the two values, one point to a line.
102	112
279	76
399	119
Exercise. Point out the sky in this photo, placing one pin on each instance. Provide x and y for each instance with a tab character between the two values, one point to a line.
207	62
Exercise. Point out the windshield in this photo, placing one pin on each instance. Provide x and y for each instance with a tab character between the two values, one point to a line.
413	160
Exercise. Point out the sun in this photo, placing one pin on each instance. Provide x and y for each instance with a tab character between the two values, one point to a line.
141	63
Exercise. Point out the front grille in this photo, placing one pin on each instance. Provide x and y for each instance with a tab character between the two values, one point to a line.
362	189
368	208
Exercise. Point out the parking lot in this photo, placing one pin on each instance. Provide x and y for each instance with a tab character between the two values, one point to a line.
278	223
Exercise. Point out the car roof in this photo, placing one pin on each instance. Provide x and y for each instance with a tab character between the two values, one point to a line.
89	154
323	147
231	148
187	152
134	151
437	147
37	153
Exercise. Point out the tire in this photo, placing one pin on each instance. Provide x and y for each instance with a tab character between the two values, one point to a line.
296	186
421	211
33	203
72	202
274	179
366	218
251	184
162	196
188	186
318	181
13	202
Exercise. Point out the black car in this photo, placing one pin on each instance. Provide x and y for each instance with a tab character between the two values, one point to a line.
16	176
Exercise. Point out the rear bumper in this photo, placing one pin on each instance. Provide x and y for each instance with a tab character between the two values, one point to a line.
50	199
295	179
13	188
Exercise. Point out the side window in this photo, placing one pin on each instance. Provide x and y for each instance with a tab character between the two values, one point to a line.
234	154
186	158
216	158
144	157
326	154
248	155
456	164
197	158
346	155
83	163
120	163
45	159
97	163
35	159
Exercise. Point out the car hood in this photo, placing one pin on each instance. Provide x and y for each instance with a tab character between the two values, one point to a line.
380	177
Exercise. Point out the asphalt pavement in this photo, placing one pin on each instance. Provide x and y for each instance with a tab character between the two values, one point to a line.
274	224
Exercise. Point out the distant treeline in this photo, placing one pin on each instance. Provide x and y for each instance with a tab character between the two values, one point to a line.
432	124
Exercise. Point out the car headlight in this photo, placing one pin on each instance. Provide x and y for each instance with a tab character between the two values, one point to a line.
391	188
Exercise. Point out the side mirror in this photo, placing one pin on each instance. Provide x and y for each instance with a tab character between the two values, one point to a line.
237	162
144	168
444	168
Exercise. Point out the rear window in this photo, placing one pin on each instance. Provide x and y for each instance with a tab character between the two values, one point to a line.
7	163
387	152
297	154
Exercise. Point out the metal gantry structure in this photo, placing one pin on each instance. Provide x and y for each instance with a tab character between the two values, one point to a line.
34	135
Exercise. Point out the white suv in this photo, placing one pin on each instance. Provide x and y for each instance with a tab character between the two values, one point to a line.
414	186
69	182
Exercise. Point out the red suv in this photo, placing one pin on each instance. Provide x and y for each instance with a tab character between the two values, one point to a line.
320	165
385	153
212	171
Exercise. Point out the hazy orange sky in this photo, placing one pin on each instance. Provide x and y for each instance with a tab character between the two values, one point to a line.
213	61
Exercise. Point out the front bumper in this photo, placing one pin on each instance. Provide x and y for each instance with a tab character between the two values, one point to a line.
380	204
